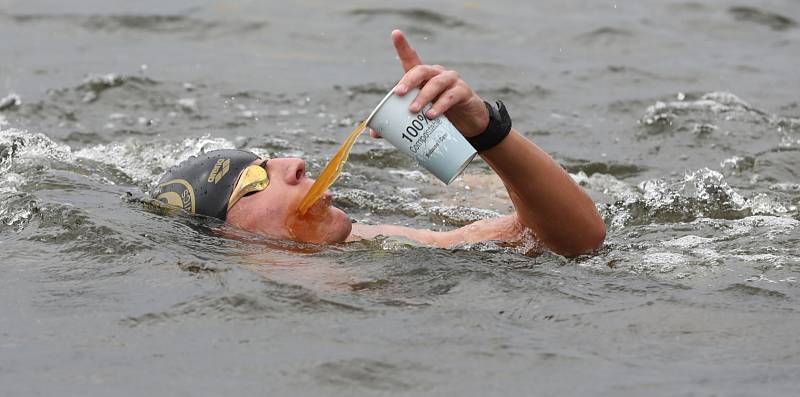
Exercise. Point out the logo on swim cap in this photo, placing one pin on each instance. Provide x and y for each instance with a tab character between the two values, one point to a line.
178	193
220	169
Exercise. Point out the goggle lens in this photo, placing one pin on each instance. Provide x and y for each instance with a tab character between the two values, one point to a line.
253	179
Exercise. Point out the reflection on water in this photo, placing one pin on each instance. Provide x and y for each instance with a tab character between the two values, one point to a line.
696	177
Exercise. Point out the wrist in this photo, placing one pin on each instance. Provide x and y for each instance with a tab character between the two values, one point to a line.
470	119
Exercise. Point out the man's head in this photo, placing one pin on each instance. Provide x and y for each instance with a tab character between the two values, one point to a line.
204	184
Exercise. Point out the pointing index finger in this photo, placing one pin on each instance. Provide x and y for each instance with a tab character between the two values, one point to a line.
408	57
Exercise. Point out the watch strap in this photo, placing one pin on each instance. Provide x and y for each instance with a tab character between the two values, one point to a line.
498	129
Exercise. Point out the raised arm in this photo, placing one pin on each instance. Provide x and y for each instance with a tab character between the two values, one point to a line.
545	198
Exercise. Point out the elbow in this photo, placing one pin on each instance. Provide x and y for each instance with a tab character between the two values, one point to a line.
590	241
596	237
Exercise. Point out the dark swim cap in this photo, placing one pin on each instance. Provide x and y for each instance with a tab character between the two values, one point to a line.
203	184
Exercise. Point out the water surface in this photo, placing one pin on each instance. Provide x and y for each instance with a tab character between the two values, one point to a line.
681	119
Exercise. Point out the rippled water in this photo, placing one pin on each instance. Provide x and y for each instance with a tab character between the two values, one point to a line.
681	120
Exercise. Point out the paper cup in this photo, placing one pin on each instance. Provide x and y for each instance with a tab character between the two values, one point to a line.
434	143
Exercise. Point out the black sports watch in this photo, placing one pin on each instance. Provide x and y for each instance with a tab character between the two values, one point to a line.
497	130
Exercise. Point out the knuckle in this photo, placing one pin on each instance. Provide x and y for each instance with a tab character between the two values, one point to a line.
449	99
418	69
452	74
459	94
423	71
440	81
427	93
414	76
445	101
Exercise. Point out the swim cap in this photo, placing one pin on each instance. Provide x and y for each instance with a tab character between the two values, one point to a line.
203	184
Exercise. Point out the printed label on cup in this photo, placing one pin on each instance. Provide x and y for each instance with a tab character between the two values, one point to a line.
434	143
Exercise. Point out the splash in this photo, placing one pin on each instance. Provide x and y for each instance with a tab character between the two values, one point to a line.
145	161
17	146
702	193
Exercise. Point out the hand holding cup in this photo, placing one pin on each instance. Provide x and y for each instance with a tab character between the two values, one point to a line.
448	93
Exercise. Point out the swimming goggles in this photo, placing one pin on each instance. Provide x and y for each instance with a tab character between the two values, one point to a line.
253	179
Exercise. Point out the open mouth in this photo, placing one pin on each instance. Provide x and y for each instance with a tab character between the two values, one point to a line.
324	201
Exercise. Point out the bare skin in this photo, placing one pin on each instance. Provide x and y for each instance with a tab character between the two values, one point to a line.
545	198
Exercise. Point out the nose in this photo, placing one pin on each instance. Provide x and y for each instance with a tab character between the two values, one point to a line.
291	170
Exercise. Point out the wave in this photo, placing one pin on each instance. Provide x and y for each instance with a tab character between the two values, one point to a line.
159	24
702	117
761	17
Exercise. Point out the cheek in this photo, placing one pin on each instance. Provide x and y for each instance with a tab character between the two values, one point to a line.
255	216
240	216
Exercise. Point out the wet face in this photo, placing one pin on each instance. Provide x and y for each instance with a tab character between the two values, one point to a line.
273	211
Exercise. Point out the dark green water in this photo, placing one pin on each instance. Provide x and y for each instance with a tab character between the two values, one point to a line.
680	118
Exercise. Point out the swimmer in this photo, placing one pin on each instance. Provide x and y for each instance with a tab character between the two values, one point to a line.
262	195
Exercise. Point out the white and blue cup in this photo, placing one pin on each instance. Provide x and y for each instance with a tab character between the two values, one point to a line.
434	143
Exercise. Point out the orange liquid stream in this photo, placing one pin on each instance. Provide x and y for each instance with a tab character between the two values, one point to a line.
331	172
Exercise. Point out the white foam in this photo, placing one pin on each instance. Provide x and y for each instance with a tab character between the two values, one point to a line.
413	175
759	258
139	160
763	204
665	258
607	184
690	241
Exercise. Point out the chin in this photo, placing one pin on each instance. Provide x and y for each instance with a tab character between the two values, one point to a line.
321	226
340	226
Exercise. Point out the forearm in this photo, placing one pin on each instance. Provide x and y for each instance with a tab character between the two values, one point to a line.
425	237
505	228
546	199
